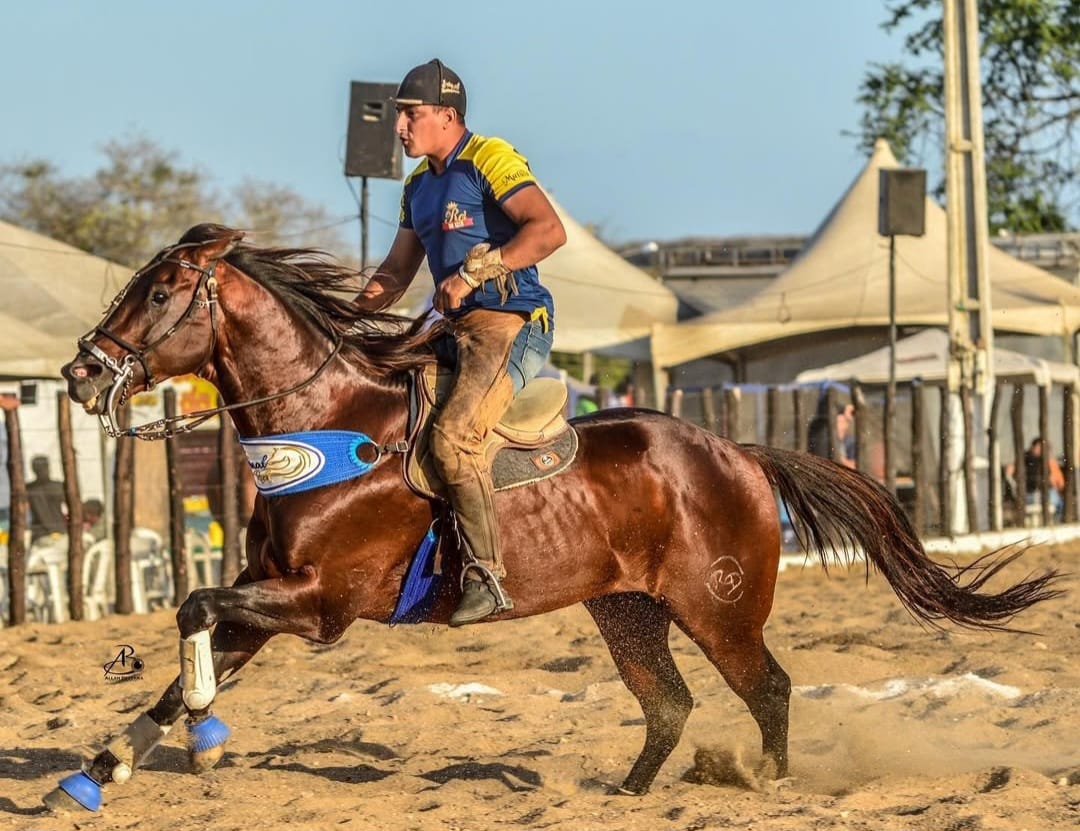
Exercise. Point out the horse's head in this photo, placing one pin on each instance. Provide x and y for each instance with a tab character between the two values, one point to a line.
162	324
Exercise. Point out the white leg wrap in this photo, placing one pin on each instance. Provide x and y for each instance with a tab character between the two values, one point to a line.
197	671
134	745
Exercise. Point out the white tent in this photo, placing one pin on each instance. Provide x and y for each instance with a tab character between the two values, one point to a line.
53	293
841	280
602	302
925	356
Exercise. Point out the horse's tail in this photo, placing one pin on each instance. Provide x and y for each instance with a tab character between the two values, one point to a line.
834	509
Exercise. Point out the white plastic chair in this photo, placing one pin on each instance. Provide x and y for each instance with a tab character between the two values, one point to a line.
97	571
201	557
46	570
150	570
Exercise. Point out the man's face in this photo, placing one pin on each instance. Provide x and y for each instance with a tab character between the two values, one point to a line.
420	128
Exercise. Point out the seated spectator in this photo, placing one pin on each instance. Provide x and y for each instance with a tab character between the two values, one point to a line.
93	512
1033	474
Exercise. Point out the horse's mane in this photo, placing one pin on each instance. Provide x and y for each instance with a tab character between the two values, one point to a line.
309	280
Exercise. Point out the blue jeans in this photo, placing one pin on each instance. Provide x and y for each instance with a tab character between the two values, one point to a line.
529	353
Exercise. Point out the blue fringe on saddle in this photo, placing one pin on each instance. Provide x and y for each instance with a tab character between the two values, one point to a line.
421	583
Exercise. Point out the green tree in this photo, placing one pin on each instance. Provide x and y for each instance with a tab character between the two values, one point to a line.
276	215
144	198
1030	69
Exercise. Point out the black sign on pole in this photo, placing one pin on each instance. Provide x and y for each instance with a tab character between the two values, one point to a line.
901	211
372	148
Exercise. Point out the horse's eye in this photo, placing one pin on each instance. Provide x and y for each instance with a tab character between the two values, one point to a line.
158	297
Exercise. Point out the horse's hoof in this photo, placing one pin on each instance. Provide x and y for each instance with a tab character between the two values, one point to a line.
204	760
206	743
76	793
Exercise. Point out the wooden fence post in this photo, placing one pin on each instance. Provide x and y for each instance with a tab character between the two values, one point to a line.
772	416
74	505
1069	423
177	541
996	518
919	481
944	472
1016	413
732	399
17	527
230	499
123	513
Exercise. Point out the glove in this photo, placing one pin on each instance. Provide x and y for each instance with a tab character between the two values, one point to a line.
484	263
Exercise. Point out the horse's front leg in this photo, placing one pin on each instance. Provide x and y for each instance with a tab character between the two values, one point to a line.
246	617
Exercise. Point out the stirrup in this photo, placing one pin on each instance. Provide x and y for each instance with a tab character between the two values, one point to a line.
502	599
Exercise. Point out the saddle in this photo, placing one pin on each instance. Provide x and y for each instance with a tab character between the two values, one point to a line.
532	440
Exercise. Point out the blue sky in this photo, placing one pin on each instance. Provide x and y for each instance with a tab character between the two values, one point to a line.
707	117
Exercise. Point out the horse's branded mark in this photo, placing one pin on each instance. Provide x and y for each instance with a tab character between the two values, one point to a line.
725	580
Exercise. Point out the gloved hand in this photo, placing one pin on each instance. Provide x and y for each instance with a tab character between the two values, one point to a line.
484	263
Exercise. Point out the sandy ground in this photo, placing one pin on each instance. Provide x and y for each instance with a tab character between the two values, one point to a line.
526	724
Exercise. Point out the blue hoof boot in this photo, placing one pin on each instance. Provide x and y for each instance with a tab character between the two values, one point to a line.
84	790
207	734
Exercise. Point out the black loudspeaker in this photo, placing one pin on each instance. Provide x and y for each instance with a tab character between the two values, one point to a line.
371	148
902	201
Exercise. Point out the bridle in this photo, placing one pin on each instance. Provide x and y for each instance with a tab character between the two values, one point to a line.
204	296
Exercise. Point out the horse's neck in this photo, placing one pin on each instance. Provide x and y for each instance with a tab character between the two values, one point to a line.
277	352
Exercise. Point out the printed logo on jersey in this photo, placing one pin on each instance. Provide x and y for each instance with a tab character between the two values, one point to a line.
514	176
455	218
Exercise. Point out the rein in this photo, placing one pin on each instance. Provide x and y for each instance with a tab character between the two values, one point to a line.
163	428
123	370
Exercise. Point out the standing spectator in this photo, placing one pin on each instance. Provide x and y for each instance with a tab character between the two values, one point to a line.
48	510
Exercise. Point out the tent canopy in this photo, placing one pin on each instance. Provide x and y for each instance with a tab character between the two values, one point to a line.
841	280
601	300
926	356
53	294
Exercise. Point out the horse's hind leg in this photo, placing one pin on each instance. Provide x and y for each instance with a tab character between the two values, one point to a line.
635	628
740	654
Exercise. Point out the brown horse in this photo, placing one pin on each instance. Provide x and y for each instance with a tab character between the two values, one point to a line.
655	522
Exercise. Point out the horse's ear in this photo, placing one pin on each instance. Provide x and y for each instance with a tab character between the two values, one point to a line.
219	248
214	241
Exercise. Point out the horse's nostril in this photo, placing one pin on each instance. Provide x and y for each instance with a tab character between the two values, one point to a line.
80	372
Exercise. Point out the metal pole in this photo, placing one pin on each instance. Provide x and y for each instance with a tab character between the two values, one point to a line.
363	222
890	390
970	315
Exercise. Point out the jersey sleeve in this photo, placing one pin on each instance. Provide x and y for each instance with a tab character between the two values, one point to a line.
503	169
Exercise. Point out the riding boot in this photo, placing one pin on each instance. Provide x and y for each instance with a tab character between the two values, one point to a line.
481	594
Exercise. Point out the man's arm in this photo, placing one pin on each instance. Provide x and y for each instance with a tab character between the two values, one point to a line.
394	273
540	231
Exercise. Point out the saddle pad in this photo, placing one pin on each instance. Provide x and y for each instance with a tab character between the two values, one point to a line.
517	466
421	584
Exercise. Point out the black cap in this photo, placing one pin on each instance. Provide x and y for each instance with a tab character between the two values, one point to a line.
432	83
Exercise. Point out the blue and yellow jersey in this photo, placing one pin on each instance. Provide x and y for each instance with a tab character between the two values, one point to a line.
453	211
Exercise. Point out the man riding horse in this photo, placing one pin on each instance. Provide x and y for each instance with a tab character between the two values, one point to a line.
473	207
